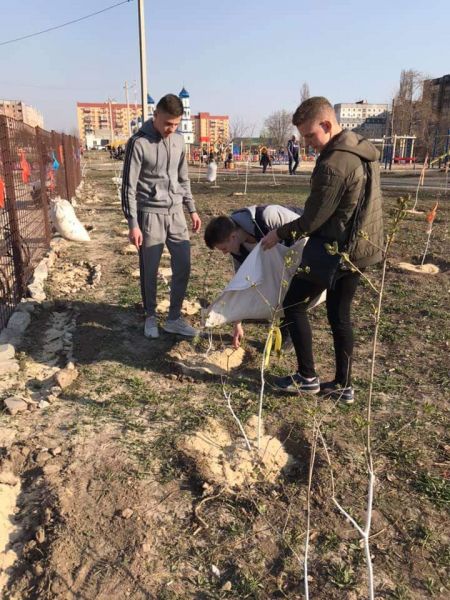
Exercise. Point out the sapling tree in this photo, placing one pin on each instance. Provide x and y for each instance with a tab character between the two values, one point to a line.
430	220
362	529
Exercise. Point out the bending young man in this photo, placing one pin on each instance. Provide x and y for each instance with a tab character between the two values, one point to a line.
239	233
337	184
155	187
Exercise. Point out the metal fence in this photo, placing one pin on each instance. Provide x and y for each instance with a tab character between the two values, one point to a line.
35	166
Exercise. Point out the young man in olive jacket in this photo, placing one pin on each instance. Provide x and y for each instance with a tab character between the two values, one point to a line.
337	183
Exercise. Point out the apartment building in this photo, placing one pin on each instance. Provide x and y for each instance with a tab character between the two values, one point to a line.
439	92
370	120
210	130
94	120
16	109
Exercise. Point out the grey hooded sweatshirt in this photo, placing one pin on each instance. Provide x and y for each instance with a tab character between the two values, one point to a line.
155	174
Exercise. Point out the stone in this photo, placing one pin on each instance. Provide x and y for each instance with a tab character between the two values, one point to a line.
127	513
14	404
10	336
51	468
7	351
27	305
19	321
9	366
8	478
38	569
129	249
36	291
56	451
226	586
43	404
40	535
146	548
41	271
42	458
66	377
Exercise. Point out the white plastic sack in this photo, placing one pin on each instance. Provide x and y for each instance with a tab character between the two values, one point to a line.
257	291
66	222
212	172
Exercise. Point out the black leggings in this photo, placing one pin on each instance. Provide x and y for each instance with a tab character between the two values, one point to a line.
339	302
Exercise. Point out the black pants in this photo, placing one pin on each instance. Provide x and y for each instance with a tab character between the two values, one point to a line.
339	302
293	160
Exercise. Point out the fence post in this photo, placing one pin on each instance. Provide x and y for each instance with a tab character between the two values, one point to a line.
45	202
11	207
66	167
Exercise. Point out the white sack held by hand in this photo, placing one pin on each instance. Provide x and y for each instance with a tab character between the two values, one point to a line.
259	286
66	222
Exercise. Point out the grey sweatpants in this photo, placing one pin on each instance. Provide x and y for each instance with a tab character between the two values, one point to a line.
157	230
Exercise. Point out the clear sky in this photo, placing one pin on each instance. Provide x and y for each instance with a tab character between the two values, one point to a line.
245	58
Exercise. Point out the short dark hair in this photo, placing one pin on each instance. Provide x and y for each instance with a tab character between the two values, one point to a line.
171	105
312	108
218	230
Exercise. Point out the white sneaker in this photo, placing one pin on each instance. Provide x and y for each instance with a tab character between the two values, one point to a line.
151	327
180	327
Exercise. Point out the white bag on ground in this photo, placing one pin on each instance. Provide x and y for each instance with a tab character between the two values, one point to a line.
66	222
211	174
259	286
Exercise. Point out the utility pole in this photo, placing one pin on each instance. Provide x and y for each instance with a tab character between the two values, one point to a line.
125	87
111	124
143	57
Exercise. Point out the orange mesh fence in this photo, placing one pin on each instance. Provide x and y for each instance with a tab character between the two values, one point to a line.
35	166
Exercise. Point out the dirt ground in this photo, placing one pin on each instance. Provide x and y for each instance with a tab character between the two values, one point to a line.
107	505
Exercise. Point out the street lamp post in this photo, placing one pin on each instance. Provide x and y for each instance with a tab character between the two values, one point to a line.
143	58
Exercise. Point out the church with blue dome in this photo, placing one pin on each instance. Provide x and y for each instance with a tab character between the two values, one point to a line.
186	126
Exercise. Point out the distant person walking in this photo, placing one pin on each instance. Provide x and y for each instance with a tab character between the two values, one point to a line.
264	160
155	187
293	149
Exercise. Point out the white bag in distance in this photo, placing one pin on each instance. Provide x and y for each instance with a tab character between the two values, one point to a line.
212	172
66	222
256	290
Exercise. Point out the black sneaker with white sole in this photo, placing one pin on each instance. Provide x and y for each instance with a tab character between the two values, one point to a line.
296	383
334	391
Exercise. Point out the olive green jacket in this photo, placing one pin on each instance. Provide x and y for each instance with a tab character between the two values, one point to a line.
336	186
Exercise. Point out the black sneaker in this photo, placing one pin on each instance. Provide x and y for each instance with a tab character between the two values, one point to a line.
296	383
333	390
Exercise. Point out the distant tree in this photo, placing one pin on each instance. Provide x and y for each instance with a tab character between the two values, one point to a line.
278	127
240	129
412	112
304	92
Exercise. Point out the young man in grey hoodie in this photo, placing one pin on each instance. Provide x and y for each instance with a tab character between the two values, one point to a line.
155	188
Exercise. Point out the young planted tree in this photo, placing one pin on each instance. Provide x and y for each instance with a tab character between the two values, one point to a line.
362	529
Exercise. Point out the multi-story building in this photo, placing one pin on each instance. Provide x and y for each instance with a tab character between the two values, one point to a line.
438	90
17	109
211	130
95	118
370	120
